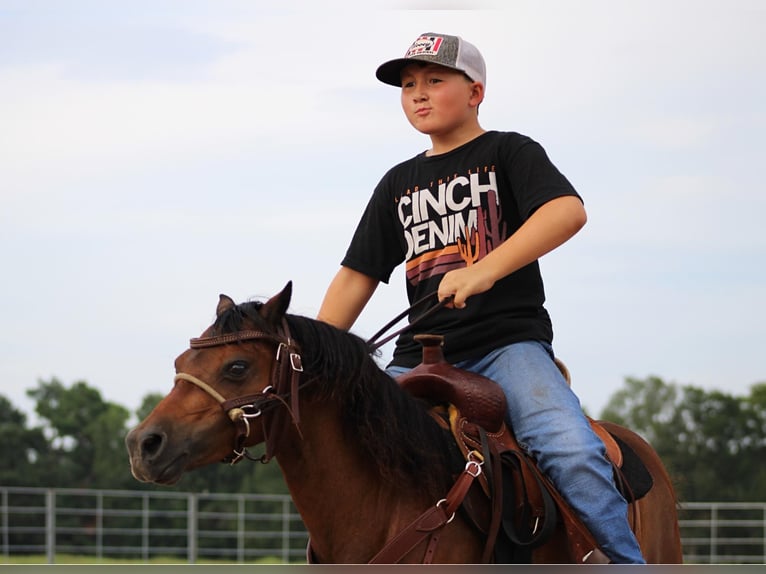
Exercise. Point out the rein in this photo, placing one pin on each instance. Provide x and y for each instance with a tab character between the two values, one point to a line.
285	378
374	344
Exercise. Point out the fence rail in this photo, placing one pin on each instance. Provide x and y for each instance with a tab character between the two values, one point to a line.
141	525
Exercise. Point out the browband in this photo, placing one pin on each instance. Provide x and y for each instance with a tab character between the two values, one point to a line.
201	342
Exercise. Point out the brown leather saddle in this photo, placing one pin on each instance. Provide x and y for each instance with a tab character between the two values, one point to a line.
515	504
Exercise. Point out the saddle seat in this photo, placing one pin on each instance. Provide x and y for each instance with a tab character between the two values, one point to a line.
478	398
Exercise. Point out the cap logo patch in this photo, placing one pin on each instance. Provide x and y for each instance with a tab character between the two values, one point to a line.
425	46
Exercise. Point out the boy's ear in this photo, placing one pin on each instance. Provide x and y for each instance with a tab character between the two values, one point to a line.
477	94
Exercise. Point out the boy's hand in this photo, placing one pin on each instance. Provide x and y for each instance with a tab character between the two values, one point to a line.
551	225
464	282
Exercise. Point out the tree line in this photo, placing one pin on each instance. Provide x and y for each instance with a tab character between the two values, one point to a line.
713	443
79	443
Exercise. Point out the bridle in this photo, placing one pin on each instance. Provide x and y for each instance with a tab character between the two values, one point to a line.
285	379
285	382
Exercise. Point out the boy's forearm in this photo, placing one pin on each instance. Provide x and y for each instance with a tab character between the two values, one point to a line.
346	297
550	226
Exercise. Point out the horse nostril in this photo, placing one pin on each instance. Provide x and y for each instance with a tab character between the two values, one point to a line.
151	444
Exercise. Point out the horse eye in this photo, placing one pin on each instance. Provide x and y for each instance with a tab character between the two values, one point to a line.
237	369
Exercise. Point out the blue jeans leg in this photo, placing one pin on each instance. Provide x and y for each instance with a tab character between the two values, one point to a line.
549	423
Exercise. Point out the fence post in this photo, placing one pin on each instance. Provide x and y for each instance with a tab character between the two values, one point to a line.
240	529
145	526
285	531
713	533
191	528
50	526
6	534
100	525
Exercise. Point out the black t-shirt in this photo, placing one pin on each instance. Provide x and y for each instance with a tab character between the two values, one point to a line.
447	211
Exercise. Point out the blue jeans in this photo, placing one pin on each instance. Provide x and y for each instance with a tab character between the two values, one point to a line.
549	424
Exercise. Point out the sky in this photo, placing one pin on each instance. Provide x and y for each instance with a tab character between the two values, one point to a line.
154	154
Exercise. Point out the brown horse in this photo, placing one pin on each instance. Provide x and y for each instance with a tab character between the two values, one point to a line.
363	459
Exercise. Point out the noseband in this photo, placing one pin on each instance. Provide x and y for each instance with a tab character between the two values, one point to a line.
285	378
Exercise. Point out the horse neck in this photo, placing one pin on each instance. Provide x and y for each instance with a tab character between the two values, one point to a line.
348	509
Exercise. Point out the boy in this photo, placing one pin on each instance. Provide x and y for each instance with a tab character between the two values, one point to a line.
470	217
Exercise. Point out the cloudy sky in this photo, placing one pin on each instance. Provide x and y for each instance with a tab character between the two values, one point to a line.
154	154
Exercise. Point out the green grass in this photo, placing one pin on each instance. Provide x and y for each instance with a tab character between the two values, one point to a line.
82	559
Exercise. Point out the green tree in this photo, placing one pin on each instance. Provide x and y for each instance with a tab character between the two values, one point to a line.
713	443
147	405
647	407
21	448
755	442
85	433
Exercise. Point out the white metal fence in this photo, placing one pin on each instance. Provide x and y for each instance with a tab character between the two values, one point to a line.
145	524
724	532
141	525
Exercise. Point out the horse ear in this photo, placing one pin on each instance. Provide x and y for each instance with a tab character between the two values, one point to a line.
276	307
224	304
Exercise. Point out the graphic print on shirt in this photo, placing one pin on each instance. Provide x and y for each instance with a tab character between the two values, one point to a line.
452	223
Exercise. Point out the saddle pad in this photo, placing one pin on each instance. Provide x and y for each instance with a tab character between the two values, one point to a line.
633	478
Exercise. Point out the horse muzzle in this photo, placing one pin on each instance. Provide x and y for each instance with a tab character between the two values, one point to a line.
151	459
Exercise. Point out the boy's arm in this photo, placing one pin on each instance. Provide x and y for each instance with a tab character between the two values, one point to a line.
551	225
346	297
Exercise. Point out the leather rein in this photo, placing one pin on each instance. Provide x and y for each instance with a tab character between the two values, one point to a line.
375	342
285	382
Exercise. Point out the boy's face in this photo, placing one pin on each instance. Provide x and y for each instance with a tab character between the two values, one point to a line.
438	100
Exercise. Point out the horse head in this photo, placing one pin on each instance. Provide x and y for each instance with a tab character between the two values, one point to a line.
236	384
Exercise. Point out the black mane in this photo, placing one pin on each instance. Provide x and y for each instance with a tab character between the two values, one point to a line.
393	429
